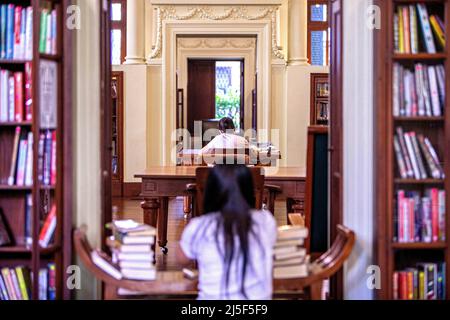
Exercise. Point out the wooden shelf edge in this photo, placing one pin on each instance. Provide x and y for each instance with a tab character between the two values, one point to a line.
419	56
414	181
419	245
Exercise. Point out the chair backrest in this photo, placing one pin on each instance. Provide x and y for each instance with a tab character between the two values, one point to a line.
202	174
331	261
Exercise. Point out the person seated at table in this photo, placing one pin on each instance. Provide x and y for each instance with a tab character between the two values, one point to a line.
227	139
233	242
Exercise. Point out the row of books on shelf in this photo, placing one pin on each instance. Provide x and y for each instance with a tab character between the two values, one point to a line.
48	32
46	234
16	95
419	91
21	170
420	218
426	281
133	256
290	258
16	283
16	32
416	156
408	20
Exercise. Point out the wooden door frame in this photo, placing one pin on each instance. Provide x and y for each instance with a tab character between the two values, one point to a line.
242	86
120	92
336	126
105	118
336	134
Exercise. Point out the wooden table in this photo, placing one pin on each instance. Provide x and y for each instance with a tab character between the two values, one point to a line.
158	184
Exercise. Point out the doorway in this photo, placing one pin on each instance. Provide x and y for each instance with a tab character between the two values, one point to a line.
215	89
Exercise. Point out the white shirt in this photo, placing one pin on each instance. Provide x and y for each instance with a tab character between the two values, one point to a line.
198	242
225	141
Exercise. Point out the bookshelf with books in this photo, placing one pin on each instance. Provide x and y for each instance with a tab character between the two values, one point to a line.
412	154
35	164
320	99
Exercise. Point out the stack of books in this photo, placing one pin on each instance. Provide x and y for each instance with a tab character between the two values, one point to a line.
416	156
16	283
407	22
426	281
132	247
290	258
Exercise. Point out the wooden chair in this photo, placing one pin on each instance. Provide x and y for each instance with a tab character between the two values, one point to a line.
174	284
195	191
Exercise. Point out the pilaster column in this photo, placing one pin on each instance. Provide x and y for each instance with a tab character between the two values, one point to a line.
135	32
298	36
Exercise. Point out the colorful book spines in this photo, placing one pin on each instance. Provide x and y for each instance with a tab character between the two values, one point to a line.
16	283
420	219
419	91
48	32
15	87
426	281
15	32
413	25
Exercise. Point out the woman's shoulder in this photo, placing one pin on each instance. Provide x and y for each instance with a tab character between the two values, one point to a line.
263	216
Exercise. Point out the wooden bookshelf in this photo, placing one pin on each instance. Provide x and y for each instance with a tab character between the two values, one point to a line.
117	99
13	198
320	99
392	255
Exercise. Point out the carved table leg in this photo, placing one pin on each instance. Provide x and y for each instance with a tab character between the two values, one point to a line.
162	223
187	206
150	207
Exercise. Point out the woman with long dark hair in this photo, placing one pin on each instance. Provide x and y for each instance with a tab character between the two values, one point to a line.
232	243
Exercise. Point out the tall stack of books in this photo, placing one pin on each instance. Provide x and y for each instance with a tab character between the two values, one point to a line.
426	281
416	156
407	22
290	258
132	247
16	283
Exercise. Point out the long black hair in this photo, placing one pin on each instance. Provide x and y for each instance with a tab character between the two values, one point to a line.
229	190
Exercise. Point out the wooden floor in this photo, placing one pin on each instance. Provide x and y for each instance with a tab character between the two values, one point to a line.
130	209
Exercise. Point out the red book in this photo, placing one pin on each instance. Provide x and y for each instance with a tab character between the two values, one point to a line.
410	285
403	285
48	228
401	216
17	32
434	195
53	165
411	218
28	91
18	99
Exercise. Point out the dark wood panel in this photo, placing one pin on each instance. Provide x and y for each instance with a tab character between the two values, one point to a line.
201	91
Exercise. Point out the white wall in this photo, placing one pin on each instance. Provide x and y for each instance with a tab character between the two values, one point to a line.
86	153
358	145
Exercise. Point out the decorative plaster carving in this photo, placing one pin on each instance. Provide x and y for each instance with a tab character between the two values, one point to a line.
212	13
216	43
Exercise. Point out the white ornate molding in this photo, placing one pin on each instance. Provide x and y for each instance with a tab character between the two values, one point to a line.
215	13
216	43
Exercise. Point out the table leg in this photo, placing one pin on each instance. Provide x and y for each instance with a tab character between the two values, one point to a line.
187	205
150	207
316	291
162	223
